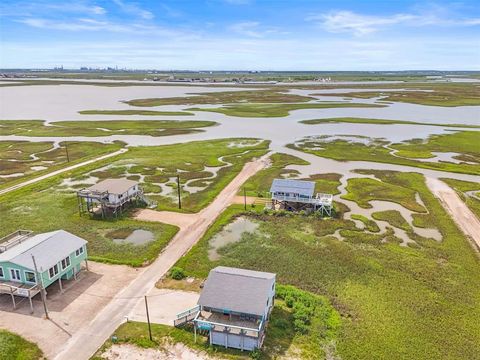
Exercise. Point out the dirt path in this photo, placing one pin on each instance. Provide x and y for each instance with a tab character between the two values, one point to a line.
56	172
83	344
458	210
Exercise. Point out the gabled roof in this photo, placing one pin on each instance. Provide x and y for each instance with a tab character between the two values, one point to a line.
238	290
301	187
47	248
113	186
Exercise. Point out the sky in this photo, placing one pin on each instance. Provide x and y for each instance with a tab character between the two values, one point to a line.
321	35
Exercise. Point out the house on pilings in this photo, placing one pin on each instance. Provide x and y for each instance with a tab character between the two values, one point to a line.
30	263
297	195
234	308
110	197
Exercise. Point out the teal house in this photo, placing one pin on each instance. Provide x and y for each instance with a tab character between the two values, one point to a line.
30	262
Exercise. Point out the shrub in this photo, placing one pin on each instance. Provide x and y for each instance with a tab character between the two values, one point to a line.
177	273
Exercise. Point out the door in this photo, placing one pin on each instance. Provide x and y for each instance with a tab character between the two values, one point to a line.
15	275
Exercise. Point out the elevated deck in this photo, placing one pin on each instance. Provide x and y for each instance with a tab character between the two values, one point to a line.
13	239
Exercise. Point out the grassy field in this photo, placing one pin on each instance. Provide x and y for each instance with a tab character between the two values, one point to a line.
101	128
416	302
193	162
276	110
464	142
14	347
23	157
287	335
224	97
380	122
462	187
134	112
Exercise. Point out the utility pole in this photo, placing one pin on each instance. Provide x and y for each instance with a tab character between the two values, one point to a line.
178	188
245	198
148	320
42	289
66	150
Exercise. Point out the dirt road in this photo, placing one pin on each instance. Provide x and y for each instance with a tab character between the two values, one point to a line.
460	213
56	172
83	344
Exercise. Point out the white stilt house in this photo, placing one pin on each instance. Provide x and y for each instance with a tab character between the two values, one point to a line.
298	195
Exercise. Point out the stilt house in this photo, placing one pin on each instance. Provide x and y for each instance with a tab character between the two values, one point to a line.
234	307
30	262
298	195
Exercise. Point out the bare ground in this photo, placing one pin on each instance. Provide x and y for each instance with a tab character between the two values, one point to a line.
75	308
168	352
458	210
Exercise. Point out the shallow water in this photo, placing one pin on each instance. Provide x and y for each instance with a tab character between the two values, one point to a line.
230	234
137	237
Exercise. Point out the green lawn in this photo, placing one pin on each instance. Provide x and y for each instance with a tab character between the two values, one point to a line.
134	112
14	347
463	142
395	302
276	110
101	128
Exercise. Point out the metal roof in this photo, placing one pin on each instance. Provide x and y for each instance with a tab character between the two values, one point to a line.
113	186
238	290
301	187
47	248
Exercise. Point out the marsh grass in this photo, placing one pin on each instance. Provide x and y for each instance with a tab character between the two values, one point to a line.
14	347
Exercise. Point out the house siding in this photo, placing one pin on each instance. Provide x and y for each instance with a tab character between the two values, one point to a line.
67	273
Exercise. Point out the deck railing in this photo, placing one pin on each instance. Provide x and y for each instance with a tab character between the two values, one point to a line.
13	239
320	199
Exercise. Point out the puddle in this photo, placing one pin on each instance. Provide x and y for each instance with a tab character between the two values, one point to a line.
230	234
38	168
137	237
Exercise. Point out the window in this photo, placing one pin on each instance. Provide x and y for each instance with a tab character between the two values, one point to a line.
53	271
1	272
79	251
30	277
66	263
15	275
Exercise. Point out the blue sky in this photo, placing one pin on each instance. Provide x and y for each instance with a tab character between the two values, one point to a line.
241	34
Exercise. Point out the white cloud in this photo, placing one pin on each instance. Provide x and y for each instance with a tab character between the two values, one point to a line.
358	24
133	9
254	29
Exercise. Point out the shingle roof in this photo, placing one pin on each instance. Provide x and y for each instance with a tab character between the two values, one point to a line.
239	290
113	186
48	249
301	187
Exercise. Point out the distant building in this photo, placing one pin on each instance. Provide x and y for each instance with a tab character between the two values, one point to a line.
298	195
109	197
30	262
234	307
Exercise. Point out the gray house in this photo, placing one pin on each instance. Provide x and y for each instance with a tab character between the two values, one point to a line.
297	195
234	307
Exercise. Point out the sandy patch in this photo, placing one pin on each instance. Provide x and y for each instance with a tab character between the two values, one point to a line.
168	352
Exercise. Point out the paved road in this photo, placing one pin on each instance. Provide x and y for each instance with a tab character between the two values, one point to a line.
56	172
84	343
460	213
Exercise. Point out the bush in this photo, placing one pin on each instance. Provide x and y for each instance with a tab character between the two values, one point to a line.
300	326
255	354
177	273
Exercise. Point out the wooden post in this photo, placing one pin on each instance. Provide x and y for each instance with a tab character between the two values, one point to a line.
66	150
60	283
178	190
30	300
195	332
42	289
86	264
13	298
148	319
245	198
